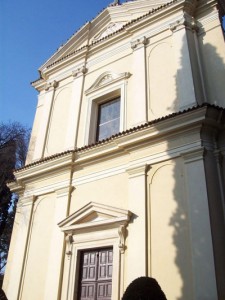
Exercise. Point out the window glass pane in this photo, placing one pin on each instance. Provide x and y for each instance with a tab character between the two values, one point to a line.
108	129
109	110
108	119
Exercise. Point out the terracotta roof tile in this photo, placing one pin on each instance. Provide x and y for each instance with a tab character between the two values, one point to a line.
115	136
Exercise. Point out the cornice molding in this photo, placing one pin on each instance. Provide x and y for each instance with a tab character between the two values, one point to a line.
186	7
72	58
129	28
49	166
61	186
123	143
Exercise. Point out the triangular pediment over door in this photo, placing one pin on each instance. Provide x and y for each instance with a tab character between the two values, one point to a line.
94	226
95	216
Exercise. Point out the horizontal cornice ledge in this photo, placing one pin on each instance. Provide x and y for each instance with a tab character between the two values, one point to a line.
123	142
127	140
39	84
65	61
16	187
42	167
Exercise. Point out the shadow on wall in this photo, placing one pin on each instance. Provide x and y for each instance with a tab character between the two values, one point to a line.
189	184
178	200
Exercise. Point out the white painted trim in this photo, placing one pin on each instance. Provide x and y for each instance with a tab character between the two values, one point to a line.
92	235
99	94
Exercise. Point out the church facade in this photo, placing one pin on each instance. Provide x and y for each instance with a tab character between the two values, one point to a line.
125	170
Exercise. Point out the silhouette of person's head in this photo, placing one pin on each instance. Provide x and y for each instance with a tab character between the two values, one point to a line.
144	288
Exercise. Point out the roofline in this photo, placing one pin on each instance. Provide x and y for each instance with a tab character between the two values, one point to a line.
125	26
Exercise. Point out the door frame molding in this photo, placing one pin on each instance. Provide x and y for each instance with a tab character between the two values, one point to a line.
94	226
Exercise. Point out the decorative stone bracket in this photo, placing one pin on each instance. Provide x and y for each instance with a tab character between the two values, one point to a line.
122	236
69	241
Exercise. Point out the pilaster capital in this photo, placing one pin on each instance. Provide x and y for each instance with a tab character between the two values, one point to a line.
63	192
209	136
194	155
186	22
136	171
79	71
139	43
51	85
26	201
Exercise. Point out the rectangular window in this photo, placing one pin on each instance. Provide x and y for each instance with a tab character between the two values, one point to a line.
108	122
96	275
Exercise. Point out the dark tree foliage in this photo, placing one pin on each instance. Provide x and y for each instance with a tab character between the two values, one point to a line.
14	139
221	8
144	288
2	295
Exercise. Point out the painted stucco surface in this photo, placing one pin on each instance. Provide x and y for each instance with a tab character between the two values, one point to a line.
154	191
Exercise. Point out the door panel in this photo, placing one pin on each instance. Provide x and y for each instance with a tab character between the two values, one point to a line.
96	275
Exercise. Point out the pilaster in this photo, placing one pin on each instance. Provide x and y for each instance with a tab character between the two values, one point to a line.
45	119
139	89
203	266
137	237
74	117
216	211
18	247
185	81
55	264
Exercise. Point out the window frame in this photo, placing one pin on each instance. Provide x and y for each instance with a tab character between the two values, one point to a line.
101	93
98	124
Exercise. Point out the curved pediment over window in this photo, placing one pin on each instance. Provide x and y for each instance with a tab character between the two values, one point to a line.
95	216
107	78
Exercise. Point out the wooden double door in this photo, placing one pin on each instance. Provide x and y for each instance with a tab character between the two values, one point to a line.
96	274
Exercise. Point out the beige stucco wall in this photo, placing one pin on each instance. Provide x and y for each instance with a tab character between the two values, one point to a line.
174	69
38	253
212	55
169	230
154	178
106	186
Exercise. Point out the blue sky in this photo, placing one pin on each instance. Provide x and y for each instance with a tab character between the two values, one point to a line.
30	32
